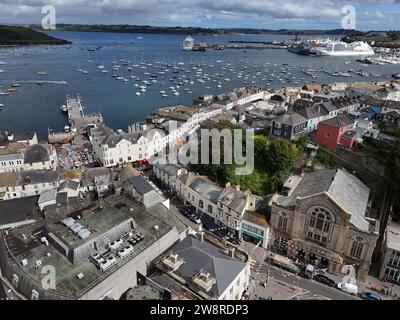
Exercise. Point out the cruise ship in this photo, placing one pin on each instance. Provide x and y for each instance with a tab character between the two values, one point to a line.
342	49
188	44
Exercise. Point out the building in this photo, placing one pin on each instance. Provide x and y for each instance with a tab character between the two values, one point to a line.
323	220
169	174
28	138
390	265
204	270
143	191
289	126
96	252
27	183
330	131
255	228
18	156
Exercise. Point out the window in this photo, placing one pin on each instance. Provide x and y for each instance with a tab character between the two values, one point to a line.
282	222
320	219
210	209
356	248
201	204
327	135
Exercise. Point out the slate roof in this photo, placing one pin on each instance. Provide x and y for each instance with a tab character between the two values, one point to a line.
291	119
329	106
201	255
141	185
170	169
339	121
35	177
234	199
17	210
49	195
312	112
69	184
206	188
36	153
344	188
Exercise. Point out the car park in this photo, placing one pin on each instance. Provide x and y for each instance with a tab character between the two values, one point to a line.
324	280
370	296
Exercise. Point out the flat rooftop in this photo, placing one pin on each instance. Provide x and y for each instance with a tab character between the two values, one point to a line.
24	243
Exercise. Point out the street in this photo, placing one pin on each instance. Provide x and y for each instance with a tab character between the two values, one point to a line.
283	285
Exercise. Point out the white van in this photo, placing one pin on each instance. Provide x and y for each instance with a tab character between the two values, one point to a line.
348	288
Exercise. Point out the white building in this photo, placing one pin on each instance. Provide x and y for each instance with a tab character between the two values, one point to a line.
27	183
18	156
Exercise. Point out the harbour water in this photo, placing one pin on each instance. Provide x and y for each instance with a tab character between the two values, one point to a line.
156	59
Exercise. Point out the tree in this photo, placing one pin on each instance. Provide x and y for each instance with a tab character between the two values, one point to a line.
281	156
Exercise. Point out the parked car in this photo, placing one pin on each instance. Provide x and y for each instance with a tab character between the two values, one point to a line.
324	280
348	288
370	296
194	218
234	241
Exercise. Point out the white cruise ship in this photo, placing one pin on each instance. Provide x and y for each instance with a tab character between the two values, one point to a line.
343	49
188	44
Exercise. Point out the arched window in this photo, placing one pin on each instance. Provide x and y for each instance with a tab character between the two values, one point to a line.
320	220
357	247
282	222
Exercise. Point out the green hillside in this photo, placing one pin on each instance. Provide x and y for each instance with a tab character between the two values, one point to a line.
13	35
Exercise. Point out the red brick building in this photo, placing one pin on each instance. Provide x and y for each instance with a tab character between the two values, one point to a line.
335	131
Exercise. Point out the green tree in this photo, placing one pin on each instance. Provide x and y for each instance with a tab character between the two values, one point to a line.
281	156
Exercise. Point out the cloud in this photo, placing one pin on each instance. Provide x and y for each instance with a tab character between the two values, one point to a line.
229	13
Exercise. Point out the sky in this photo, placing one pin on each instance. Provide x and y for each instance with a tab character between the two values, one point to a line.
265	14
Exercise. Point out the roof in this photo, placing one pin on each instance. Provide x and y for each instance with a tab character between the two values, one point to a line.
8	179
69	184
206	188
312	87
49	195
329	106
170	169
17	210
291	119
38	176
234	199
36	153
140	184
344	188
201	255
312	112
256	218
340	121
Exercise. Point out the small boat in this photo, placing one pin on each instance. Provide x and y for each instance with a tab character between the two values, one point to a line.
138	93
43	73
39	83
2	71
12	90
15	85
67	128
64	108
2	93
